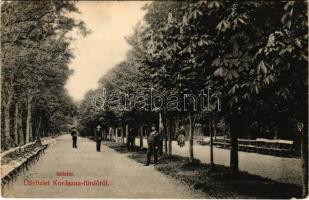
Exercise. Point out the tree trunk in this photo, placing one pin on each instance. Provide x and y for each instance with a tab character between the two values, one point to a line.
211	142
127	131
7	123
29	124
161	128
31	128
234	149
164	133
16	124
191	133
170	138
110	133
122	133
123	128
215	132
115	134
276	135
304	160
173	128
141	137
165	137
7	116
38	141
21	129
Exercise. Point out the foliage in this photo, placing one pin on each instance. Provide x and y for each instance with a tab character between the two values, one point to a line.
35	58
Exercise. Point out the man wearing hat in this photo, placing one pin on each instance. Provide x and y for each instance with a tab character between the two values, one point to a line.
153	145
98	136
74	137
130	140
181	137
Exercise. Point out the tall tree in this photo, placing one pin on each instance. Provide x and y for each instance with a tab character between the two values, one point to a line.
35	57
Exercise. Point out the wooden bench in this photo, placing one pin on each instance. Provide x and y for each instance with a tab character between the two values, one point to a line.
246	145
222	143
274	147
261	146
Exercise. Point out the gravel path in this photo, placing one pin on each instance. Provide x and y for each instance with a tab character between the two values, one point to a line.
125	178
286	170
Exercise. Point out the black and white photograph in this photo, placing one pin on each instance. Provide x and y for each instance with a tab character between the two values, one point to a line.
154	99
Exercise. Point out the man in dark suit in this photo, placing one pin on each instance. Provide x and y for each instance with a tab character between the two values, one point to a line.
130	140
153	145
98	136
74	137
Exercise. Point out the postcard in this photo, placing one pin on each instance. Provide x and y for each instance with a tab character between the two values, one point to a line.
154	99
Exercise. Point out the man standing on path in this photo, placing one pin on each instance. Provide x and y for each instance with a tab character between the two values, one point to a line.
98	136
181	137
152	146
74	137
130	143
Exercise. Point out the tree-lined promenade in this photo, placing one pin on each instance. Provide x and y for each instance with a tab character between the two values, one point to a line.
253	55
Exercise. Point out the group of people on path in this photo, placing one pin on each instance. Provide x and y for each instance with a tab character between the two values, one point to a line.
98	137
155	141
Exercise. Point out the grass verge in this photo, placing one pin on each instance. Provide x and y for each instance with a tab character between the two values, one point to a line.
216	182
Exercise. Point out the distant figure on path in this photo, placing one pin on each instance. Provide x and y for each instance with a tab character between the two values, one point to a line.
153	145
130	140
98	136
74	137
181	137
